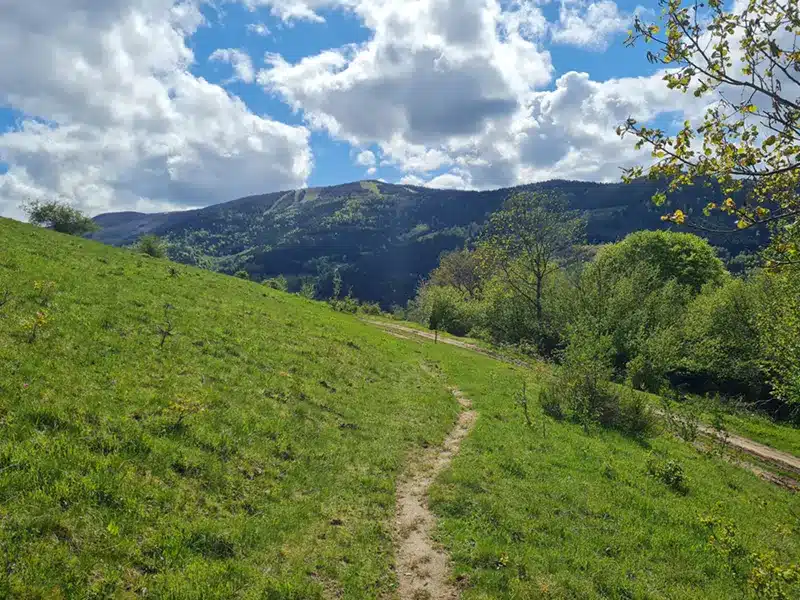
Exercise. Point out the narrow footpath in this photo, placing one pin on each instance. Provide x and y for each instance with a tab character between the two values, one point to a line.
423	569
782	460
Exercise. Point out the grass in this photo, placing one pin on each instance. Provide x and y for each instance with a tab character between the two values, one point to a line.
549	512
253	456
737	419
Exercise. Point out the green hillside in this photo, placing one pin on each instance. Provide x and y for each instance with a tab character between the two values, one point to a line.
383	238
169	432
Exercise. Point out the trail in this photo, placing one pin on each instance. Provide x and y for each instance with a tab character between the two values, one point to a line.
423	567
781	459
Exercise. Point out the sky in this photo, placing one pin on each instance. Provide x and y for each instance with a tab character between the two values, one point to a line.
155	105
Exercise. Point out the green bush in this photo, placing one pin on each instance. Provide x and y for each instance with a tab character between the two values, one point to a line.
670	473
242	274
443	308
635	415
370	308
719	338
277	283
152	245
60	217
551	400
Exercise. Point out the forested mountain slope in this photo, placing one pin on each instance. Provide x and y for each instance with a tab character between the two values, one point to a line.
383	237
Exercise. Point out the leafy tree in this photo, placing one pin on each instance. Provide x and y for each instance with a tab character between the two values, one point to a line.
686	258
778	320
241	274
528	240
443	308
152	245
59	216
460	269
747	64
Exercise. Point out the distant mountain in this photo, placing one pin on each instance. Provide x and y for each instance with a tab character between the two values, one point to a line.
382	237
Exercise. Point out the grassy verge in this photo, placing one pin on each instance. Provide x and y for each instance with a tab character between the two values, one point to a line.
749	424
252	455
550	512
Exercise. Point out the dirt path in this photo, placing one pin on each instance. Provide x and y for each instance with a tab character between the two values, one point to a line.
422	567
786	461
395	328
781	459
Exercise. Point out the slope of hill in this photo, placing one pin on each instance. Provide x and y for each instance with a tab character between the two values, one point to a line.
168	432
383	237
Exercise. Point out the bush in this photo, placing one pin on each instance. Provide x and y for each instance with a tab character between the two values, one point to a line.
443	308
152	245
670	473
371	308
635	416
582	390
242	274
60	217
644	374
550	399
346	305
277	283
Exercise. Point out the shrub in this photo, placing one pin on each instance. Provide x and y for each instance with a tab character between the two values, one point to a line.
550	399
277	283
60	217
442	308
241	274
348	304
670	473
151	245
635	416
308	288
644	374
371	308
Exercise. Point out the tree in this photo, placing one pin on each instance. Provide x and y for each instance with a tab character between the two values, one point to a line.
686	258
460	269
60	217
152	245
528	241
747	63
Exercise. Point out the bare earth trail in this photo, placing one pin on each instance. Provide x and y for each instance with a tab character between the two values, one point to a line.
783	460
423	567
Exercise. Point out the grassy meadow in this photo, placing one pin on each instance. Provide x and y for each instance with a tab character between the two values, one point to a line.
253	455
167	432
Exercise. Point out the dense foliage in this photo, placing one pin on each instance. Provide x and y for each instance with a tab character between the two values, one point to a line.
382	238
60	216
660	303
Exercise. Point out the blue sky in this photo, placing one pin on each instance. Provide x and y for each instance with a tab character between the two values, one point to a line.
144	108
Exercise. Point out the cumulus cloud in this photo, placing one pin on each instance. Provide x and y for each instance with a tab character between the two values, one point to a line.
258	29
115	119
239	60
455	92
589	24
366	158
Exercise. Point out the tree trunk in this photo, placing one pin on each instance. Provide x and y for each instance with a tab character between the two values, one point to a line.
539	299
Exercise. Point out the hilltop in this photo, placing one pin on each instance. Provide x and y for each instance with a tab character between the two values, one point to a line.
384	238
166	431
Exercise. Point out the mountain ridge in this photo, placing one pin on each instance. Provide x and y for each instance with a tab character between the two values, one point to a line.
382	237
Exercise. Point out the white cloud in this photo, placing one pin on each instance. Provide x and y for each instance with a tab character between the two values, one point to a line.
258	29
455	87
589	24
239	60
366	159
128	126
436	75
